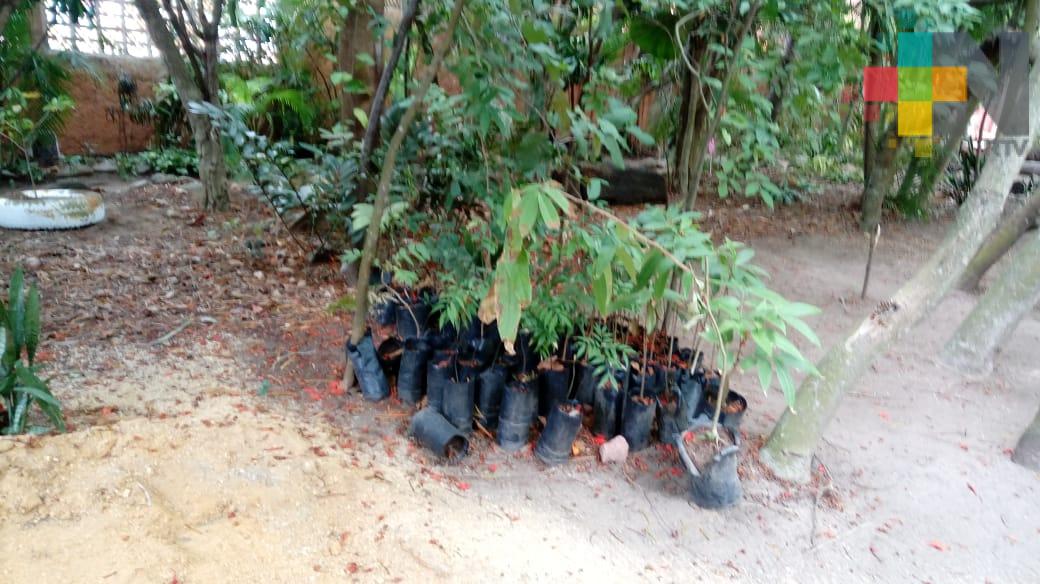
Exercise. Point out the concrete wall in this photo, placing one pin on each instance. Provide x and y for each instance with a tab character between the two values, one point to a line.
93	127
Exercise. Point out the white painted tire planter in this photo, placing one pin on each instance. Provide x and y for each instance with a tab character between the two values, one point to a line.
50	209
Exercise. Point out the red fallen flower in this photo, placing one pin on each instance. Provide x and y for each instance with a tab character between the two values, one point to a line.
599	439
462	486
336	387
312	393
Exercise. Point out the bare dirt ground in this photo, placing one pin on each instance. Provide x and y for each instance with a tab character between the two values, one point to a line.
210	442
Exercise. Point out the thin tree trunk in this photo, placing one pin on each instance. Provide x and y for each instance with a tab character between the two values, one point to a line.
1015	292
355	38
869	138
1000	242
368	253
1027	452
379	99
883	173
212	169
791	444
700	150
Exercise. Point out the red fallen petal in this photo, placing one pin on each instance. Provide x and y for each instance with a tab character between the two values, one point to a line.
938	545
492	467
336	387
462	486
599	439
312	393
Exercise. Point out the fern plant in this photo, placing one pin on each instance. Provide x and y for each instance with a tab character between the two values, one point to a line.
20	387
603	352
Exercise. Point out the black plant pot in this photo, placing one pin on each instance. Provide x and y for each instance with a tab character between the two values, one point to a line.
441	338
490	390
389	353
482	342
585	379
527	358
554	445
458	403
692	393
438	371
653	384
411	380
467	368
607	410
717	485
435	432
386	313
412	318
637	422
669	412
734	401
519	406
374	386
553	388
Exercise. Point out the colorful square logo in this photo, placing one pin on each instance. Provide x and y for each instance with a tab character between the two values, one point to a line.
914	85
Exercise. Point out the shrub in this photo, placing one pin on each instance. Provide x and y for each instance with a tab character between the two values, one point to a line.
20	387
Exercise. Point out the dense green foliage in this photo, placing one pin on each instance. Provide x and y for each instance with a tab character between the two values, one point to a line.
20	386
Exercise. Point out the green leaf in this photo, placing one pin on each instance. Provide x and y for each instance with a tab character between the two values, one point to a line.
38	394
639	134
361	116
799	309
765	374
595	187
786	385
807	332
550	216
558	198
649	269
16	310
529	210
32	322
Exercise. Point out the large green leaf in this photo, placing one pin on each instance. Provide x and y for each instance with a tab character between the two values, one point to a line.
16	310
652	34
32	322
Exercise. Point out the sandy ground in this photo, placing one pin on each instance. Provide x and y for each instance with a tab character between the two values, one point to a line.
178	471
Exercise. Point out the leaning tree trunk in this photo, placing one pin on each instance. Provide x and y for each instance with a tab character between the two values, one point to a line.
790	446
1027	452
368	253
1000	242
1012	296
212	169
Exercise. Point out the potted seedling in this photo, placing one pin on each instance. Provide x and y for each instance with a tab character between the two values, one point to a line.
745	323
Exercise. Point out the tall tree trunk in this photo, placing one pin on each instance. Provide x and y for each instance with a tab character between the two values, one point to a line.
699	152
869	132
1027	452
1015	292
212	169
368	253
791	444
883	174
379	99
1001	241
356	38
